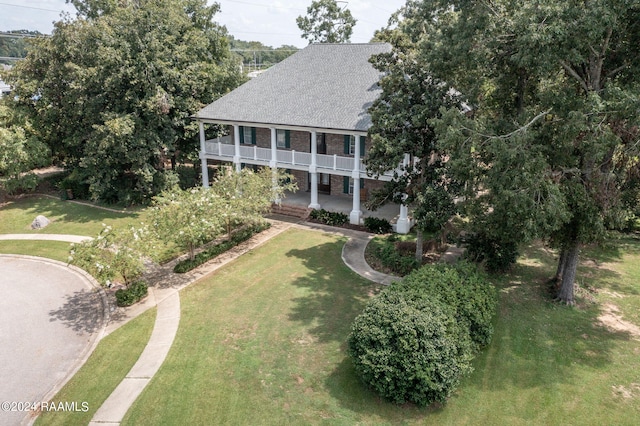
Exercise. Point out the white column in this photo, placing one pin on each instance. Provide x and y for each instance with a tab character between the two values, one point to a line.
274	163
313	171
356	213
274	149
236	142
203	159
403	226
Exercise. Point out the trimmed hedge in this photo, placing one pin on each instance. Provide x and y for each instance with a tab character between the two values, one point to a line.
329	218
409	349
377	225
129	296
415	340
204	256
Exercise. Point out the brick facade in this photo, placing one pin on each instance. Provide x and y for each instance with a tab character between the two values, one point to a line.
300	141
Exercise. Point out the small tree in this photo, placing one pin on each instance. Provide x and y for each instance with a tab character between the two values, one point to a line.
248	195
195	216
112	255
326	22
188	218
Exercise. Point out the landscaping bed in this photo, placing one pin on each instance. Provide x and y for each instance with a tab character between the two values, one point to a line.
238	237
395	254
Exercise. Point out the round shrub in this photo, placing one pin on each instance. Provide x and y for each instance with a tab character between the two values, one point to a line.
129	296
409	349
460	286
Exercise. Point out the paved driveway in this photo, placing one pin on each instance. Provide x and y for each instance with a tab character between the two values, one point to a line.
50	317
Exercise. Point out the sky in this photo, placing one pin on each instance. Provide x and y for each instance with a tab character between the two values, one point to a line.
272	22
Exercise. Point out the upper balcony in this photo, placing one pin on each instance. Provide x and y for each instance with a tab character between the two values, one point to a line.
224	150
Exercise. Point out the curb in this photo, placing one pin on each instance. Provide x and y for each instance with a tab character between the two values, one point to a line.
30	418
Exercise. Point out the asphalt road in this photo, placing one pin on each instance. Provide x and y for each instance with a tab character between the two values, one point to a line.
50	317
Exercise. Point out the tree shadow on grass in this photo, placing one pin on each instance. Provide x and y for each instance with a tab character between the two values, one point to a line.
537	343
333	295
59	211
542	263
346	387
82	312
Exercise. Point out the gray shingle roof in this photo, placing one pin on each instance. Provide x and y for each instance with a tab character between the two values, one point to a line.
325	86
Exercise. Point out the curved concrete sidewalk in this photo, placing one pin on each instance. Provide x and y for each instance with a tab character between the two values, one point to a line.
46	237
116	406
353	252
353	256
167	298
164	331
165	295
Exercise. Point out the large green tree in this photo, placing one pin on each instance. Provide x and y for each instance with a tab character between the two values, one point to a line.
400	116
20	151
112	91
551	147
326	22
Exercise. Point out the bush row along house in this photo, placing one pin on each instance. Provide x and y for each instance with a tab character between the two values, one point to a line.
308	115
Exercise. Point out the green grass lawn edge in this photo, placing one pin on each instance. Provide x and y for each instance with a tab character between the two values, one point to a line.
103	371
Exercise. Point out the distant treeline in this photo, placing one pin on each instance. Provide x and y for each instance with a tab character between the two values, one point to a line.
256	55
14	44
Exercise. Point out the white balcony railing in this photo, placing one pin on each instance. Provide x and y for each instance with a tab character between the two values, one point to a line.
223	149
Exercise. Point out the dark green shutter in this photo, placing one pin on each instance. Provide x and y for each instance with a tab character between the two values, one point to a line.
362	139
287	139
241	134
361	183
253	135
347	142
345	182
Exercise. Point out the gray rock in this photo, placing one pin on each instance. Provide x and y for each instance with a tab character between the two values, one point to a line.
39	222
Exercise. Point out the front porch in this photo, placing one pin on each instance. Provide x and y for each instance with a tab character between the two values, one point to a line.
320	168
223	149
334	203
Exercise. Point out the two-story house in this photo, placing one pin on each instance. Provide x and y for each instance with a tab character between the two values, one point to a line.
308	115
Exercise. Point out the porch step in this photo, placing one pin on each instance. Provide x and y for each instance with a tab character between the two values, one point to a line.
291	210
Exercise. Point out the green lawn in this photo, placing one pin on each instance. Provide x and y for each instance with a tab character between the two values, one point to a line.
263	342
65	217
102	373
56	250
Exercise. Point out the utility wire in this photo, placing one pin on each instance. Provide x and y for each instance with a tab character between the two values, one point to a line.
29	7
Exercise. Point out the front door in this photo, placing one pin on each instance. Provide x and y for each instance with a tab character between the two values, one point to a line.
324	180
322	143
324	183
